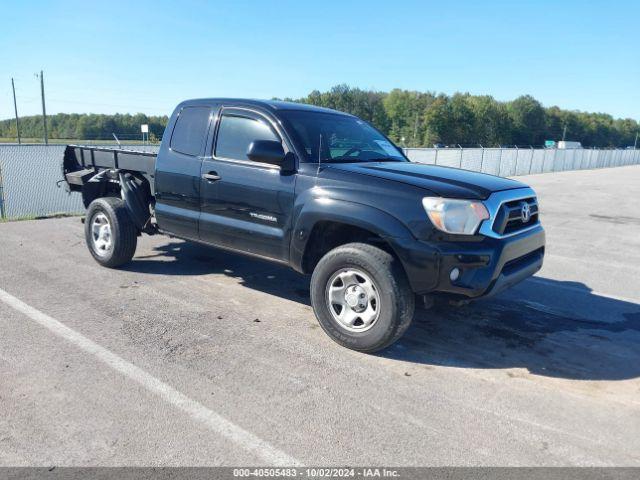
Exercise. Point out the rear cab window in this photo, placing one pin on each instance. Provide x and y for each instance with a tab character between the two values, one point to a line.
237	132
190	130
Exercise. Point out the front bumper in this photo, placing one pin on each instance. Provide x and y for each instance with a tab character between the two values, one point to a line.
487	266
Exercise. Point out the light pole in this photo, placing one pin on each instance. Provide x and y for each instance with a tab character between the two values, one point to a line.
44	110
15	108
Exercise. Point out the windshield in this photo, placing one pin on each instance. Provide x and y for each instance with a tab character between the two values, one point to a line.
339	138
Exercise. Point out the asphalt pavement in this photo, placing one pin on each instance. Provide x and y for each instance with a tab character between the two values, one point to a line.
195	356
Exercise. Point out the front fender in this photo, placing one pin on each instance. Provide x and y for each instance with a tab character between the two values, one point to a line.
316	210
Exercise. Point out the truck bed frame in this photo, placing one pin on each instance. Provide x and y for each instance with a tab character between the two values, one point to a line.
83	162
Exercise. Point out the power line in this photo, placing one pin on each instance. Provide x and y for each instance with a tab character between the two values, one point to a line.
98	104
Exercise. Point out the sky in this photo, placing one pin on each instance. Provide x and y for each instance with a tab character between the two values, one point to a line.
146	56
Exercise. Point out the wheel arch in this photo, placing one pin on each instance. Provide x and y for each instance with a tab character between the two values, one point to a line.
133	188
322	226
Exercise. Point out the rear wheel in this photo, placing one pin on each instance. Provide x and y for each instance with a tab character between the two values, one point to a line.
361	297
110	234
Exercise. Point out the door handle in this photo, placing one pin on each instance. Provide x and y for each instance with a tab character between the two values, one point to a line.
211	176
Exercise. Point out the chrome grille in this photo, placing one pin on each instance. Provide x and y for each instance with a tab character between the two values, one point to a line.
509	216
505	213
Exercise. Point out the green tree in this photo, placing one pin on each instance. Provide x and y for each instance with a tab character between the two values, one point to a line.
367	105
421	118
405	110
528	120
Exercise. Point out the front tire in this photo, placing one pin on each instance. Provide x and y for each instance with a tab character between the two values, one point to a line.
361	297
110	234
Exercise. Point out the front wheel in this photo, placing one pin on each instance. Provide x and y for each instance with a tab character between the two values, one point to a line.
110	234
361	297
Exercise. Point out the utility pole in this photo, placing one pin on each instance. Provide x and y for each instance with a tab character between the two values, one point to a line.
44	111
635	143
15	108
564	132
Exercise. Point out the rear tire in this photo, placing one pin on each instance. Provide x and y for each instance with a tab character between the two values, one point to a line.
110	234
361	297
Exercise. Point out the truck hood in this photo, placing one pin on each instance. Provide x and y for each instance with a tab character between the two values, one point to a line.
443	181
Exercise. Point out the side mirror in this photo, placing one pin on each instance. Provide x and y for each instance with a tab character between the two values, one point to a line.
266	151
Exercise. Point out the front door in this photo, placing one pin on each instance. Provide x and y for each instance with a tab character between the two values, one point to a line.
245	205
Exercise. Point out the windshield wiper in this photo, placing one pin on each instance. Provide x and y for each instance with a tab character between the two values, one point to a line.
385	159
361	160
340	160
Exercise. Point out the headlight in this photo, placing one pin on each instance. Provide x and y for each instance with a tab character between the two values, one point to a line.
462	217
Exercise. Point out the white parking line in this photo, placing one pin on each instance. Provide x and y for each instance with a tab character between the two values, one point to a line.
194	409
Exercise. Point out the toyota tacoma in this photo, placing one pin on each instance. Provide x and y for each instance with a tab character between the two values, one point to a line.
320	191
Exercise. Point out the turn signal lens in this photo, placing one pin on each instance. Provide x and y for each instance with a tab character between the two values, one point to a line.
461	217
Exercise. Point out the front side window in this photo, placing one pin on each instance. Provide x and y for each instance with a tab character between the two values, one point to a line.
190	131
333	137
237	133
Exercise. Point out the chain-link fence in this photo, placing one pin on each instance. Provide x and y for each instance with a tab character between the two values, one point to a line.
29	173
510	162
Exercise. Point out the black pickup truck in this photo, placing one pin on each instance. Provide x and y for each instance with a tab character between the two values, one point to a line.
323	192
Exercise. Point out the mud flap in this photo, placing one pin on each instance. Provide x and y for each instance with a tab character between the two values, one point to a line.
136	195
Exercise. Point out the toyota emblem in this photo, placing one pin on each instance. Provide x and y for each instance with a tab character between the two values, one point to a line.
525	212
